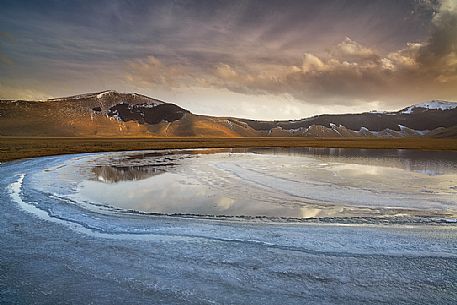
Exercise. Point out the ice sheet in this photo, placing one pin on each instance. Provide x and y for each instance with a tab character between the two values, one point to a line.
54	250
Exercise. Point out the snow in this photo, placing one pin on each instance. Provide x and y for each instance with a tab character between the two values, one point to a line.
147	105
299	129
147	102
432	105
334	128
422	132
406	131
114	115
84	96
229	123
102	94
378	112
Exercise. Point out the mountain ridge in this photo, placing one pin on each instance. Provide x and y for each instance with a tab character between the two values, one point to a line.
110	113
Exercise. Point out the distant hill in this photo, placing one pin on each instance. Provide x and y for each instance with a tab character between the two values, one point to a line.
110	113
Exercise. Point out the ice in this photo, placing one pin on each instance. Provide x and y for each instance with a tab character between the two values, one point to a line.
55	250
273	186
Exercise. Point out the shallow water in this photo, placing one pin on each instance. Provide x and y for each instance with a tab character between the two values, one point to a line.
72	230
292	183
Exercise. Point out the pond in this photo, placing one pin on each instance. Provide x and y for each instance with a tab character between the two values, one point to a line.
282	183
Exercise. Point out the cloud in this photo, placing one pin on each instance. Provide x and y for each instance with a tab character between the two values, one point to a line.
349	73
8	91
441	47
311	63
256	49
350	48
152	71
5	38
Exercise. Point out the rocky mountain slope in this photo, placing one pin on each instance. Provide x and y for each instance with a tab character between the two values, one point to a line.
110	113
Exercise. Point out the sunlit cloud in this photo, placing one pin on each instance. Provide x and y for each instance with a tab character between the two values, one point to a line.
348	73
15	93
311	55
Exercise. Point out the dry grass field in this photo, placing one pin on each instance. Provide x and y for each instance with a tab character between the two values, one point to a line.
12	148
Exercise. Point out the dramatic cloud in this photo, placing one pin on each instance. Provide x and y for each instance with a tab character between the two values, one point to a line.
348	73
329	55
12	92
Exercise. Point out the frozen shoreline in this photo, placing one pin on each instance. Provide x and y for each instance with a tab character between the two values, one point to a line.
131	259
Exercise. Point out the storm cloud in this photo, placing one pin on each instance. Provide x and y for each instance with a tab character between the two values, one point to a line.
315	56
346	73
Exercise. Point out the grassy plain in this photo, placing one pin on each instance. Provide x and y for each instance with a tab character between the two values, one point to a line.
12	148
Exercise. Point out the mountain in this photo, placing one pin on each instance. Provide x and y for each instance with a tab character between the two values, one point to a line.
415	120
450	132
433	105
110	113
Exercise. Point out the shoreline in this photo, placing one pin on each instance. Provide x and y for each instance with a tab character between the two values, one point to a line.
13	148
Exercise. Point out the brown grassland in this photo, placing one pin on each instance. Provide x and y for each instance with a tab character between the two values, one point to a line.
12	148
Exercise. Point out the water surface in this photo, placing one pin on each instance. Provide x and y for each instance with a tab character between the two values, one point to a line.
288	183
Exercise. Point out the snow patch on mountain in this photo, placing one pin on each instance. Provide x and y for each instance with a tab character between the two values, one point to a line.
378	112
149	105
102	94
85	96
334	128
403	128
432	105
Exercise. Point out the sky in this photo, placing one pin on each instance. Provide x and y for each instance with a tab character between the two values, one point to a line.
259	59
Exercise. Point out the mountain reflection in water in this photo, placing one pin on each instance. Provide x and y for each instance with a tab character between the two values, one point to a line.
140	166
113	174
134	167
